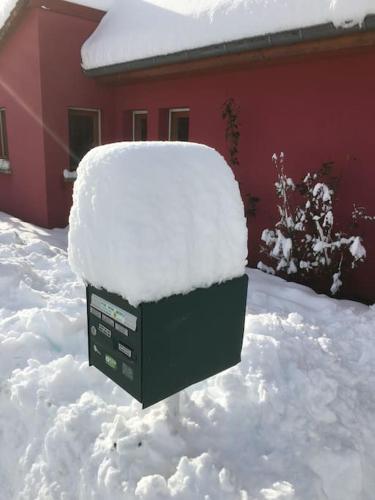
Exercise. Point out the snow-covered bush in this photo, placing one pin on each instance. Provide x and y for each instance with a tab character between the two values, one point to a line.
305	241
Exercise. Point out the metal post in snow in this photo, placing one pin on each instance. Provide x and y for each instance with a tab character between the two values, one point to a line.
173	405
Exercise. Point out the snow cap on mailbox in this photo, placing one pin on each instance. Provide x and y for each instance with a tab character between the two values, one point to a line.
154	219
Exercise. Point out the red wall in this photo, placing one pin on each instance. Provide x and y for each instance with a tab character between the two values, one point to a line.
64	85
314	110
23	192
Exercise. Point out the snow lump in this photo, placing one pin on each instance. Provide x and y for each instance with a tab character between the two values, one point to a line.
154	219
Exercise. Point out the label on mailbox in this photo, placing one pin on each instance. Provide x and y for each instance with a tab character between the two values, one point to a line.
106	331
114	312
107	320
125	350
122	329
127	371
111	362
97	350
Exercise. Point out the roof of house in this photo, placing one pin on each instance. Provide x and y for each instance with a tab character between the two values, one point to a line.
144	30
10	8
94	4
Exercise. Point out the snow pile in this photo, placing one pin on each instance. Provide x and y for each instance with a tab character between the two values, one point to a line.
294	421
150	220
136	29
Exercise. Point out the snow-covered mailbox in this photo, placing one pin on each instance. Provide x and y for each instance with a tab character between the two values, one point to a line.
158	234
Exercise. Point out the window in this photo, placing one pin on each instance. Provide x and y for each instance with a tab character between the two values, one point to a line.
179	124
139	125
84	133
4	155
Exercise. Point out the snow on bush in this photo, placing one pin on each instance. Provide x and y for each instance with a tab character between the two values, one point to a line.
137	29
293	421
305	240
153	219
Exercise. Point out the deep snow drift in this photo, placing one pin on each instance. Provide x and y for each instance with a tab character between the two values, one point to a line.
153	219
136	29
295	420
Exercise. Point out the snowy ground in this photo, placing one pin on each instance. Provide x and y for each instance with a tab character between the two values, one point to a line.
295	420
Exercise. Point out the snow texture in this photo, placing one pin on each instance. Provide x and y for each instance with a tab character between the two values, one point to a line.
136	29
154	219
70	175
293	421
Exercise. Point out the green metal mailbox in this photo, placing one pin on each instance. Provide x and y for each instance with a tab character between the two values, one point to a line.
159	348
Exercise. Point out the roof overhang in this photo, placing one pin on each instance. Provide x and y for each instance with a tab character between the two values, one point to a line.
300	42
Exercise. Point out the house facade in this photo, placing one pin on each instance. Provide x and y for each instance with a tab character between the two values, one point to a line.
310	97
41	81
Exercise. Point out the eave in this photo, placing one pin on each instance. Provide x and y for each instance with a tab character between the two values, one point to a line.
301	42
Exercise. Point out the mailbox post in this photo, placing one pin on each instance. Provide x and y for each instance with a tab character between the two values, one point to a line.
155	348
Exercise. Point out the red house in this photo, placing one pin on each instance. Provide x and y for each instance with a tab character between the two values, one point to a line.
306	89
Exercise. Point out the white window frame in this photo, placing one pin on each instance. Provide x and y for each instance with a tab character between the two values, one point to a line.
134	114
91	110
171	111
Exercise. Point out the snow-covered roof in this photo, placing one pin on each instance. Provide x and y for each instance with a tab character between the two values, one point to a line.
7	6
150	220
138	29
6	9
94	4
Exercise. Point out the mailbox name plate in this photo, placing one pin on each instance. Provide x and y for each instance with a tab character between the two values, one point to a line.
114	312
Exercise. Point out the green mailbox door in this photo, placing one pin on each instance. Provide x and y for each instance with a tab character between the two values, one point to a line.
160	348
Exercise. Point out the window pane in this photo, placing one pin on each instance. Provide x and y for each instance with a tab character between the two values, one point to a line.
3	136
183	128
140	126
83	134
179	126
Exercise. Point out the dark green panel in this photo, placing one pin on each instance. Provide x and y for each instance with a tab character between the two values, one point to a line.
160	348
188	338
115	341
